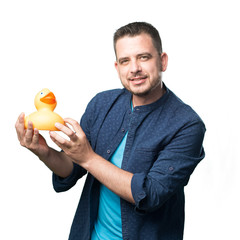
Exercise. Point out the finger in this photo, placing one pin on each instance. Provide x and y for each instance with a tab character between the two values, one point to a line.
35	138
59	140
20	119
75	125
66	130
20	126
29	134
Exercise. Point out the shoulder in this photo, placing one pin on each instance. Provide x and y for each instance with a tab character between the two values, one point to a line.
177	116
103	101
179	109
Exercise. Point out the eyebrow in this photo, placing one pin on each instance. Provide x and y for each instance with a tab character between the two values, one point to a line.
123	58
138	55
145	53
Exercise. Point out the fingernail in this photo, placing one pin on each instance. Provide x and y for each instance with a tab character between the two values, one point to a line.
51	133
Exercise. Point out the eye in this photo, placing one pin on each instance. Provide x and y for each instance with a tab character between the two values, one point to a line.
41	93
144	57
124	61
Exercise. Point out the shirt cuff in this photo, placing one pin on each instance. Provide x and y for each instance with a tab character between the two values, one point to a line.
63	184
138	188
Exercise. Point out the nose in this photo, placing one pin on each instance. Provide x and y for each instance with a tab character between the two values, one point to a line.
135	67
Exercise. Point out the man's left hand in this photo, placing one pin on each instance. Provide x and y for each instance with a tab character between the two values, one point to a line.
77	147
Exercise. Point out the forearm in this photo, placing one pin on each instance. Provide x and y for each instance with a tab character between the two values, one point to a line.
58	162
30	138
80	151
114	178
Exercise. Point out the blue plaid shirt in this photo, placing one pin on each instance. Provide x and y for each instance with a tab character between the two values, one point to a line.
164	145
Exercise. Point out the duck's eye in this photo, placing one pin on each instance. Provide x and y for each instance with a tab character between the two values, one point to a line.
41	93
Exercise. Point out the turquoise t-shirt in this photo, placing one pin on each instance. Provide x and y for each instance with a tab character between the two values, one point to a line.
109	222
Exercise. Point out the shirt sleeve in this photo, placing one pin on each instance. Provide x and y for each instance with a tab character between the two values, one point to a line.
172	169
64	184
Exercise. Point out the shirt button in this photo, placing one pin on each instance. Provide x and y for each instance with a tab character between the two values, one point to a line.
171	168
123	130
108	151
141	195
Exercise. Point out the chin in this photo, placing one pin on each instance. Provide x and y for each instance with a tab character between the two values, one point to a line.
140	93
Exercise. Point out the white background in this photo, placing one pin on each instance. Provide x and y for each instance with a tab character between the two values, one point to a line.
66	46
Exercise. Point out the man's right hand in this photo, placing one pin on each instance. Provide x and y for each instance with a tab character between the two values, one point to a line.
30	138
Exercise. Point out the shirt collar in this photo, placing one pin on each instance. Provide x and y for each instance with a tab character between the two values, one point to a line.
151	106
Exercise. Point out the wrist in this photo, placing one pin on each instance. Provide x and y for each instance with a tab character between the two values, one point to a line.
45	155
88	163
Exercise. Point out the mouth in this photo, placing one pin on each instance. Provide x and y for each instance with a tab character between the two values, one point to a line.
138	79
49	98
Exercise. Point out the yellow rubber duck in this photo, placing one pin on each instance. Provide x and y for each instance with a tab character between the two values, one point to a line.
44	119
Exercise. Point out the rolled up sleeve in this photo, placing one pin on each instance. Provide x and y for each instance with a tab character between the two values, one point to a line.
63	184
171	170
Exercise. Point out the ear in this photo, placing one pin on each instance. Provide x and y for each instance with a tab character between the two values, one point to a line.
164	61
116	66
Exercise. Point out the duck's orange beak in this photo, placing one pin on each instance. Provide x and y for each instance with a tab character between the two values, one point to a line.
49	98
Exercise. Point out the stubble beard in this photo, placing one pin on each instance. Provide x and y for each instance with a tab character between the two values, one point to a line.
147	91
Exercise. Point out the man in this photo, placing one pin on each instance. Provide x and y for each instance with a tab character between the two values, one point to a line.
139	146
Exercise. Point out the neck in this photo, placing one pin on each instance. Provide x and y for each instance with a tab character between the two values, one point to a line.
151	97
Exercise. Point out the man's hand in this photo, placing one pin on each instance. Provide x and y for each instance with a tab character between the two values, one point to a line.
30	138
80	151
58	162
77	147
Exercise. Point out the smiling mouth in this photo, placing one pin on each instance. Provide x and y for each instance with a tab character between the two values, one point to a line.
136	77
138	80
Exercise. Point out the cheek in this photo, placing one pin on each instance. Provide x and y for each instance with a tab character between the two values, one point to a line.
123	74
155	72
149	68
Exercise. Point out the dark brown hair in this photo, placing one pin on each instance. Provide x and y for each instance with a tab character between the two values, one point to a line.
135	29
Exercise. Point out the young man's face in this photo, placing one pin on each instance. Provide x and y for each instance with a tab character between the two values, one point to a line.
139	64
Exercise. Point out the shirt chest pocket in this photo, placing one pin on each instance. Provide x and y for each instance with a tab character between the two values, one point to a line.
141	160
